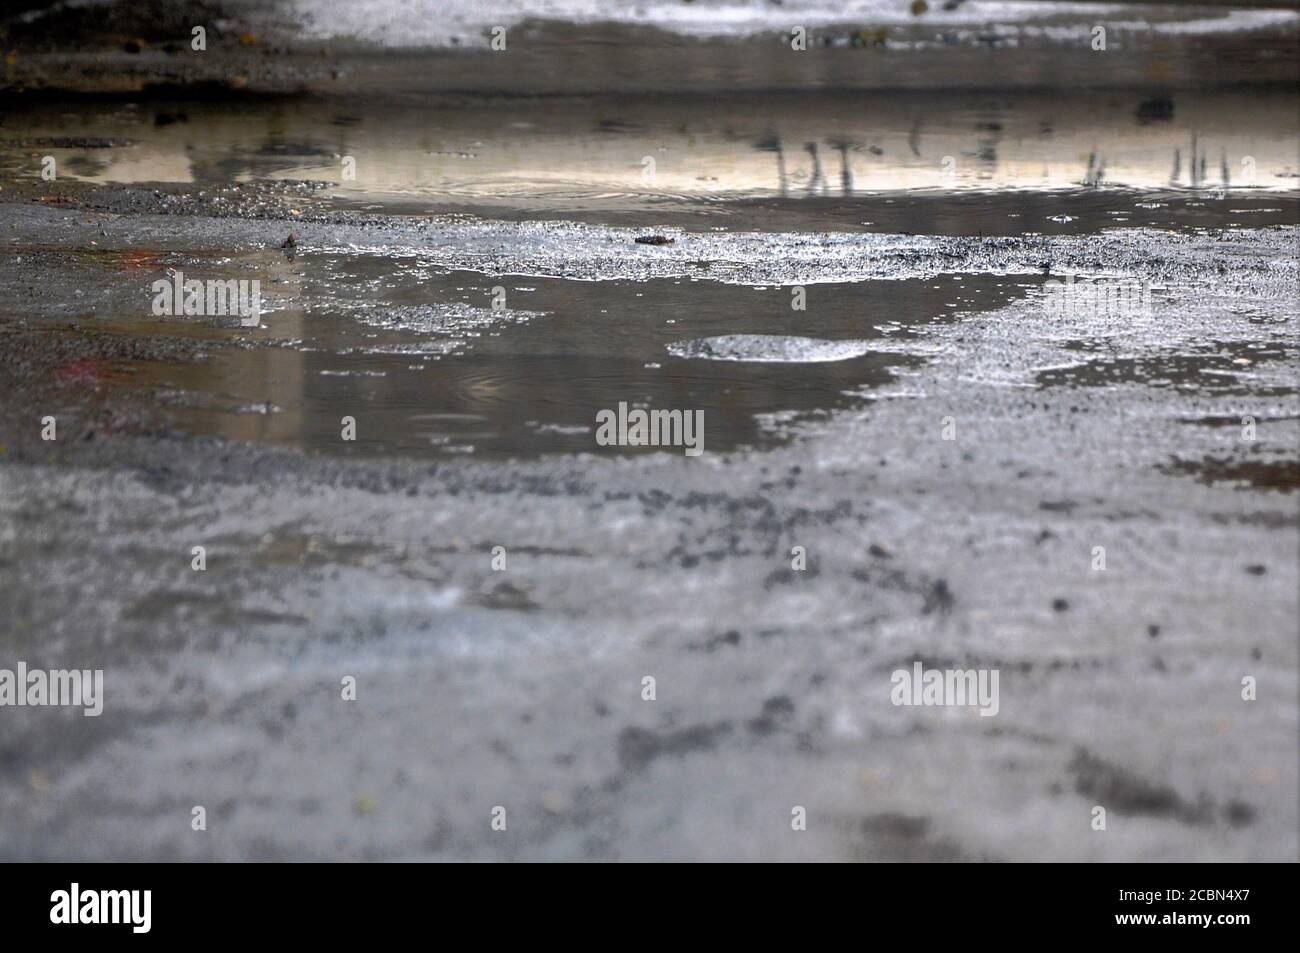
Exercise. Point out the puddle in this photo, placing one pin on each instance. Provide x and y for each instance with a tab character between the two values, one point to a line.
439	359
453	376
931	162
417	333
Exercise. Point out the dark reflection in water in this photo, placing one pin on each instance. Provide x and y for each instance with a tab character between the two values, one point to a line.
531	387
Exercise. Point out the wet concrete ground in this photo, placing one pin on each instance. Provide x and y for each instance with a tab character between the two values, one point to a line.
1096	424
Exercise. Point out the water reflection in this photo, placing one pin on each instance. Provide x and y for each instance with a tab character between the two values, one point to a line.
586	152
503	386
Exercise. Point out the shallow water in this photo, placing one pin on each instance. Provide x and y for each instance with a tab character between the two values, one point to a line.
848	160
406	337
434	369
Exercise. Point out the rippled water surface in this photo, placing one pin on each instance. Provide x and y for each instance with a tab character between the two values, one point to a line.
486	357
